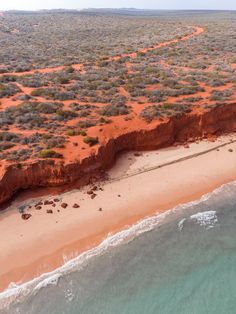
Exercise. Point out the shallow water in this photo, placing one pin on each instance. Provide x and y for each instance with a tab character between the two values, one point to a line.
185	264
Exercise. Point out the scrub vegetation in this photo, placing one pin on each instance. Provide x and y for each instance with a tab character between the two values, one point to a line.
69	79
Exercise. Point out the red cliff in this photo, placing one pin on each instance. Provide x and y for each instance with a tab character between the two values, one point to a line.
44	173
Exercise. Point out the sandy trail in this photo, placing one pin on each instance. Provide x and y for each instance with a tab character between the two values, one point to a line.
79	66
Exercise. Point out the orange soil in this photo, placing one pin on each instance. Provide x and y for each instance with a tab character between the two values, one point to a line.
82	154
79	66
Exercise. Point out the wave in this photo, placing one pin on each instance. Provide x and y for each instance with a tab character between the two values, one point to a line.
181	224
17	293
207	219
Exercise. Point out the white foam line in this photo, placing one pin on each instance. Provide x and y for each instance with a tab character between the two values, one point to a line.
181	224
18	292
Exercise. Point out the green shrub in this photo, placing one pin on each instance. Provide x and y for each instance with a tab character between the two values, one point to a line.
69	69
63	80
91	141
82	132
36	93
75	132
70	133
48	153
114	110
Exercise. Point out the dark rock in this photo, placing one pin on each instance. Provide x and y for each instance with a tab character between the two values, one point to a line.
93	196
38	207
48	202
230	150
76	206
64	205
25	216
49	211
56	200
100	209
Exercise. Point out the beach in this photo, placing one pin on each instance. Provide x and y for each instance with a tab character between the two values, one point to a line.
140	184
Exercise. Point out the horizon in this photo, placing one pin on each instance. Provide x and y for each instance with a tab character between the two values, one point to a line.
111	8
26	5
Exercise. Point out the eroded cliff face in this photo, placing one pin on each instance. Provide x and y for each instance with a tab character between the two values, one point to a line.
43	173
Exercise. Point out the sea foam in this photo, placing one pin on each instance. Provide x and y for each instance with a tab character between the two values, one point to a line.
206	219
17	293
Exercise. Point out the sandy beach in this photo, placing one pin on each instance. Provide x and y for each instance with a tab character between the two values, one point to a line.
140	184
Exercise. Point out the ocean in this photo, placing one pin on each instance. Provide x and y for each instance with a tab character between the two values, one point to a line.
181	262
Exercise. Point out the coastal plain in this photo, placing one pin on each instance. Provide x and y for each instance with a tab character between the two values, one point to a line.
117	118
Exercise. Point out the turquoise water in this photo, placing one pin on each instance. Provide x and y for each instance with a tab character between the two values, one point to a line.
185	264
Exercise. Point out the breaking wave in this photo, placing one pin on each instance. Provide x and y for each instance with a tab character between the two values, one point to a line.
17	293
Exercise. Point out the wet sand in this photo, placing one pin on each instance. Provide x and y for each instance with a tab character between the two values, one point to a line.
140	185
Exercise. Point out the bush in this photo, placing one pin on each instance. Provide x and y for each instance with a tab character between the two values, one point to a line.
70	132
74	106
48	153
63	80
84	124
220	95
9	137
150	113
6	145
69	69
7	90
66	114
55	141
114	110
91	141
53	93
75	132
47	107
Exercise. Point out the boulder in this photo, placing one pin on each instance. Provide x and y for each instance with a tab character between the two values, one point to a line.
47	202
26	216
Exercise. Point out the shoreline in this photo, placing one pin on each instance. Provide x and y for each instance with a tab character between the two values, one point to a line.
40	244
